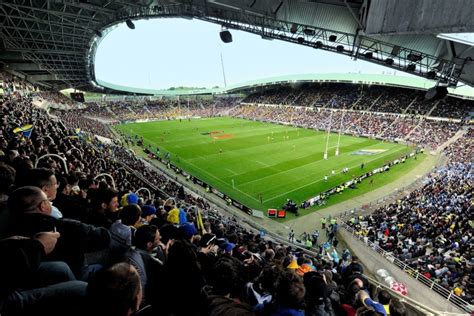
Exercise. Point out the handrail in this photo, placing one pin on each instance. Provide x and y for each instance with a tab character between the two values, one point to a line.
54	155
81	153
401	297
250	223
144	180
136	174
100	159
108	176
447	294
146	190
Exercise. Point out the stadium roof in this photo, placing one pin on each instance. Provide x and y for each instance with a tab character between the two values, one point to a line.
52	42
356	78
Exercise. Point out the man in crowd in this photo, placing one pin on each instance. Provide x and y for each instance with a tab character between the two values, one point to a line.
77	238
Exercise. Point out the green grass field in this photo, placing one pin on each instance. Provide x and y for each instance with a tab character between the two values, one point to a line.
263	164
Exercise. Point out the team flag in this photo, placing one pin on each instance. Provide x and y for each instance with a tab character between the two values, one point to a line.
200	224
25	130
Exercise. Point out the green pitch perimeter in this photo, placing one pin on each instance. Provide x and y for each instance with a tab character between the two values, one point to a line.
263	164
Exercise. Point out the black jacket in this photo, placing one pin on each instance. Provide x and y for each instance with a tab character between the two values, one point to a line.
76	238
20	260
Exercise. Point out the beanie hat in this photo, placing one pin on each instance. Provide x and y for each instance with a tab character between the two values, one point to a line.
129	198
227	246
188	230
148	210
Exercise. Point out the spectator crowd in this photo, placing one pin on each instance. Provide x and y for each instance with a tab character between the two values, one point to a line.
413	129
431	229
74	242
373	98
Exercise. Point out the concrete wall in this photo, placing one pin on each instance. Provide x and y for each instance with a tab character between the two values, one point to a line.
416	290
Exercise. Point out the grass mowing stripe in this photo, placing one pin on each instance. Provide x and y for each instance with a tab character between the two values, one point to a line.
302	162
260	166
317	181
219	180
275	189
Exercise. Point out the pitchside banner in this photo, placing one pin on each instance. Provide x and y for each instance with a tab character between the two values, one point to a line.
384	168
218	193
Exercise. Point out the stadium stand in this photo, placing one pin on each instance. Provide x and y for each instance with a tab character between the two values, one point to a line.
89	228
189	249
370	98
418	130
220	245
431	229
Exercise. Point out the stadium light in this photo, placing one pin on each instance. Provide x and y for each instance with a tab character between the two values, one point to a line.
130	24
431	74
389	61
414	57
225	35
411	67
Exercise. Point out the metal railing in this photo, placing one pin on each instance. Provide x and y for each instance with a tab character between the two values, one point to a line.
418	276
445	293
107	175
56	156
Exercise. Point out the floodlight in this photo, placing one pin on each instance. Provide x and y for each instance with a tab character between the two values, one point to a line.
225	35
414	57
389	61
431	74
130	24
411	67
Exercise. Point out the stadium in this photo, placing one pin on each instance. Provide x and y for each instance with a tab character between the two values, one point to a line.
314	190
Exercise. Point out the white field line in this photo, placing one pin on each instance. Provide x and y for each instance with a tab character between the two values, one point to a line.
219	180
231	171
311	183
225	152
262	163
284	171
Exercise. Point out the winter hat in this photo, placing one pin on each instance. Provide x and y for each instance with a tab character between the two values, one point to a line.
148	210
227	246
188	230
129	198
